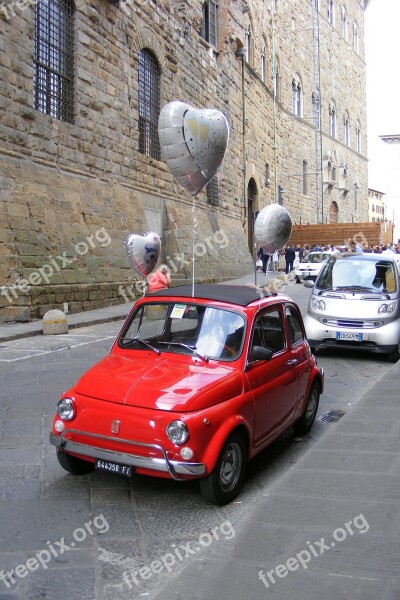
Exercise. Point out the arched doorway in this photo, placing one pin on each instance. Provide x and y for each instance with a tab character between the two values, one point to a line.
251	215
333	213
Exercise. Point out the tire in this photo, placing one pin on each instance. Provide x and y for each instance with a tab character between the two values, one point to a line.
224	483
394	356
305	422
74	465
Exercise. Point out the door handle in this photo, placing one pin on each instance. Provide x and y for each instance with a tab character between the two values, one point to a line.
292	361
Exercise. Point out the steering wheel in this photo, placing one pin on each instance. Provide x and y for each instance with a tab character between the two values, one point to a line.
231	351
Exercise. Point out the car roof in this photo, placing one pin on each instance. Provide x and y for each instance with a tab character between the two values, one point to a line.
365	256
241	295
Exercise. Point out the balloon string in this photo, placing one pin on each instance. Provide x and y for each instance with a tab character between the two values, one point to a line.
194	233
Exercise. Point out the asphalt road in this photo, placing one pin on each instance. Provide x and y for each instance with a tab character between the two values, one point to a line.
86	537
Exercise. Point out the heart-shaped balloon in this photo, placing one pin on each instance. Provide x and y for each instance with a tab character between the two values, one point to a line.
193	143
272	228
143	251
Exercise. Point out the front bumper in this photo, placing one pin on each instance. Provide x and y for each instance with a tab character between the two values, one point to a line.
176	469
381	340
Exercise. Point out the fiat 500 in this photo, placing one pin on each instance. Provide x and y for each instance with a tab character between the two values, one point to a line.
197	382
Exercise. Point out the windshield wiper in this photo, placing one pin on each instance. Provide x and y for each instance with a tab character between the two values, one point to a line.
356	288
191	348
144	342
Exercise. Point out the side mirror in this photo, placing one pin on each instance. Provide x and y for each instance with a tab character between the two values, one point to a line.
260	353
308	283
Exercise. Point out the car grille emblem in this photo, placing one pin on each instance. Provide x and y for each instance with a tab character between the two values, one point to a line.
115	426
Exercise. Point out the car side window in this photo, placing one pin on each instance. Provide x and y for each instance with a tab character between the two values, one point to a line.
294	325
269	331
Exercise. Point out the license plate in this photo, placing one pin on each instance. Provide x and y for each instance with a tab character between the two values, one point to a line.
112	467
352	337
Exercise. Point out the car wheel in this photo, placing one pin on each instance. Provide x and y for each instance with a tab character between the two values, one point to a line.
394	356
223	484
305	422
74	465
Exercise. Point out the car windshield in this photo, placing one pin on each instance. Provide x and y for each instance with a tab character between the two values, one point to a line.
355	274
204	331
316	257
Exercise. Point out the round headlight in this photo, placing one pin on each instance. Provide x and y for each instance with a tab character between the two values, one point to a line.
177	432
66	409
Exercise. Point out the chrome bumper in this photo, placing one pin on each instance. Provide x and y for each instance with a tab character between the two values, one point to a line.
172	467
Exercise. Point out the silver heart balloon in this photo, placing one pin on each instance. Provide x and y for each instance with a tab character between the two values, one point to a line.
143	251
193	143
273	227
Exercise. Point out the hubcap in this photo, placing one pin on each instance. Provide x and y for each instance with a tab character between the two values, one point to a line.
230	467
312	405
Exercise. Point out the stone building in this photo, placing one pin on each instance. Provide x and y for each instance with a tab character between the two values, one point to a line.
80	164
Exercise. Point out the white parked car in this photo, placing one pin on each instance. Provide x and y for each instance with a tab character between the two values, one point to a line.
311	265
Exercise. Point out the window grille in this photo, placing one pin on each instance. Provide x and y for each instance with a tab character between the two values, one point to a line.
212	190
149	105
53	82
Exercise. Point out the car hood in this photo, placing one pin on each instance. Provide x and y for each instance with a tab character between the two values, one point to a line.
163	383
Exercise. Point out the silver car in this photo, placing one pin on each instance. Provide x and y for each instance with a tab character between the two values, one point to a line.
355	304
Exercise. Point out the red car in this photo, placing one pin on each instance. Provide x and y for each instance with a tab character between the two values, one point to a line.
194	387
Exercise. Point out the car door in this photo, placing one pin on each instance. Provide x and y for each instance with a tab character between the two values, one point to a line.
273	382
299	348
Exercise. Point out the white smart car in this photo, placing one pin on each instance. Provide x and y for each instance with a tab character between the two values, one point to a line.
311	265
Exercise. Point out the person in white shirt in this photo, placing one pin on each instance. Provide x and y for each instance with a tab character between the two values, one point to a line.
389	249
275	261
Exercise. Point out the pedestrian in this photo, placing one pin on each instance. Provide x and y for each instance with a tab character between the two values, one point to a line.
355	247
275	261
290	255
264	257
159	279
388	250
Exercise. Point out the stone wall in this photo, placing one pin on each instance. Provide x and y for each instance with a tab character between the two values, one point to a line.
61	183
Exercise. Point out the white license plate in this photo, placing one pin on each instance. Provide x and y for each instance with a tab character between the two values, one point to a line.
111	467
352	337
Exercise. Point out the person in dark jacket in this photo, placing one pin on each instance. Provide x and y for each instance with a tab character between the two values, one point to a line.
263	256
290	255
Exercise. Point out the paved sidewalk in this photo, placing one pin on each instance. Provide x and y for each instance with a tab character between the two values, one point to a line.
328	529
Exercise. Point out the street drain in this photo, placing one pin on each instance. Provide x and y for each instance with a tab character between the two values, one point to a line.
331	416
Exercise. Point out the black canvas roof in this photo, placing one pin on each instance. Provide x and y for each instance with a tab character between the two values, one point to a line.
236	294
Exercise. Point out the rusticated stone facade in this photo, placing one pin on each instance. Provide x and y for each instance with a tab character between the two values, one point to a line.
71	192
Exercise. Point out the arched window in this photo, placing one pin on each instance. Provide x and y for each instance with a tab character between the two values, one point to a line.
332	120
333	213
346	128
149	104
358	137
276	79
247	44
305	183
331	12
263	66
297	100
209	24
356	40
343	22
53	59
